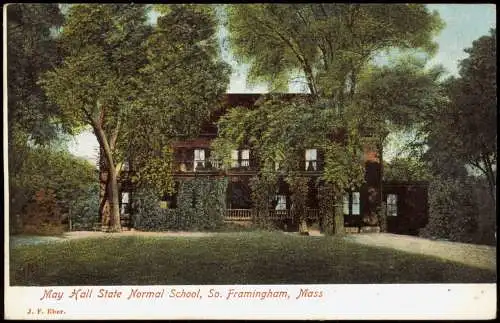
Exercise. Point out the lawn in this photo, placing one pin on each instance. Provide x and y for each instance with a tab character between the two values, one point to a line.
236	258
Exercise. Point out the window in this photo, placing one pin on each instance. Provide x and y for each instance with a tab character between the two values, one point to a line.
281	205
245	158
346	204
199	158
311	159
125	203
355	203
352	204
392	205
240	158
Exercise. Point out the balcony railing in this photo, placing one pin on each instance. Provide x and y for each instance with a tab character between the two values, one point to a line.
240	165
198	166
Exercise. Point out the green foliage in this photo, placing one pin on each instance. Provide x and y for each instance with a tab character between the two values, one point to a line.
31	50
263	189
398	96
43	215
328	203
454	211
156	173
407	169
128	81
84	210
170	103
68	177
465	129
329	44
201	204
299	192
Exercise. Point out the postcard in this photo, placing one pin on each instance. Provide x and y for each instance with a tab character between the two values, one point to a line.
299	161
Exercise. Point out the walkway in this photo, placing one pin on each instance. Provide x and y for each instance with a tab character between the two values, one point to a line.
473	255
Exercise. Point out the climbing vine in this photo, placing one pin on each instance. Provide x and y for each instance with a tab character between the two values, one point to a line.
299	189
263	189
200	206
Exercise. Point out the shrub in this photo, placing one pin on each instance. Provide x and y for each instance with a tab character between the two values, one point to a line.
42	215
200	206
84	210
459	210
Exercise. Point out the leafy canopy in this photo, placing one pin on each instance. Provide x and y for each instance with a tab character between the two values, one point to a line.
328	44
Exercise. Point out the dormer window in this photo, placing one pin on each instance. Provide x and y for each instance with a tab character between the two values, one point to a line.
199	158
311	160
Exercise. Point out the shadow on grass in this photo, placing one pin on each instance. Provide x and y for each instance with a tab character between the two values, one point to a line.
239	258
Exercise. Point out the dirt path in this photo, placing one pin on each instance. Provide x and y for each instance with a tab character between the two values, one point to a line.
473	255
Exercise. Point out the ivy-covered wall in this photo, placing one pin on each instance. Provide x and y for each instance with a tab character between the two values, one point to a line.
201	204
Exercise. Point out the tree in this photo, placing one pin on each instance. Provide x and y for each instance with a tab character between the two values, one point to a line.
465	129
128	82
407	169
279	131
329	44
100	44
183	40
31	50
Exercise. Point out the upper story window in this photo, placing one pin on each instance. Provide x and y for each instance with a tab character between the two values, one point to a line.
392	205
281	205
240	158
311	159
245	157
199	158
352	204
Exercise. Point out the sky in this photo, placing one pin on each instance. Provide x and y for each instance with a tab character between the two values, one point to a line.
464	24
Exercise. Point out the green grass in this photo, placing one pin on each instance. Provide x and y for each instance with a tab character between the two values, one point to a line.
237	258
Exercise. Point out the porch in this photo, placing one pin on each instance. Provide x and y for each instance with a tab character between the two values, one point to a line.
352	225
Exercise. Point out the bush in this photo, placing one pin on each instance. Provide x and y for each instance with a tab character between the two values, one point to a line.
43	216
459	210
200	206
84	210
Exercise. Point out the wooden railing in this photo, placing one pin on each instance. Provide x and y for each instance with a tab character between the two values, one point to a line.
274	215
239	215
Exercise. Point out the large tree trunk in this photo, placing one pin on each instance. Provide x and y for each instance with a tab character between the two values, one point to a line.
110	223
104	210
